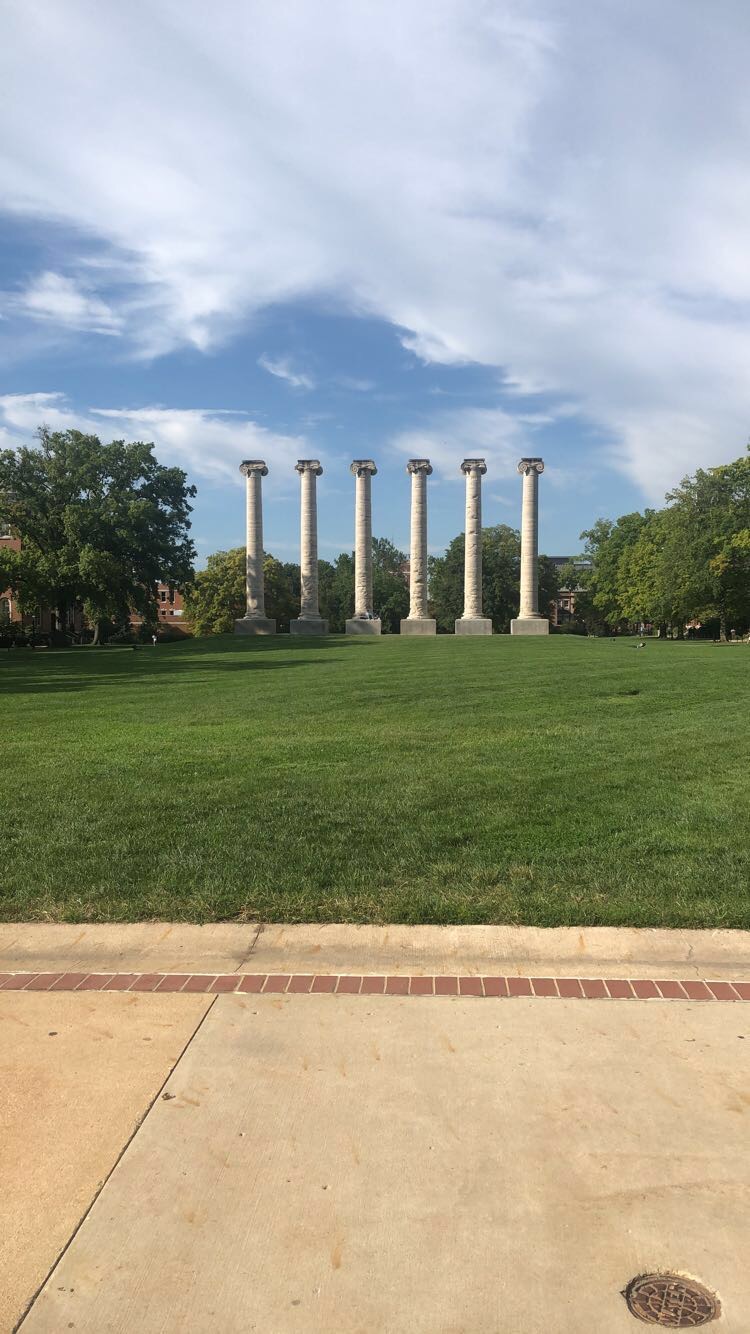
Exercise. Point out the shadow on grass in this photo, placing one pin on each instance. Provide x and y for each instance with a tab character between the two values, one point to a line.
65	674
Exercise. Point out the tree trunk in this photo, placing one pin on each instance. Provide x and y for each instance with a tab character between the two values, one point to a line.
723	636
95	640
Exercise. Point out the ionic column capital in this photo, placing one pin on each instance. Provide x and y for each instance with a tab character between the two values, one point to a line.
419	466
530	465
253	465
308	465
361	467
474	465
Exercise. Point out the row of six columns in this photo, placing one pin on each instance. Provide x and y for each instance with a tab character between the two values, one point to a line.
418	622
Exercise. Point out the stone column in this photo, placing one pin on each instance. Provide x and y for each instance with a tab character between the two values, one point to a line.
255	621
363	622
473	622
529	620
310	621
418	622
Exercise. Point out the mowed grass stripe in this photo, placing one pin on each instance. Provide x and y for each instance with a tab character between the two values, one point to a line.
563	781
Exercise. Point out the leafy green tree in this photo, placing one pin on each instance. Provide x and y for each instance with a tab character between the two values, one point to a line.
606	543
501	565
217	597
712	522
100	524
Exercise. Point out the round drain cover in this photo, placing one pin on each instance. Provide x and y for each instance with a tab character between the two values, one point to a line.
671	1301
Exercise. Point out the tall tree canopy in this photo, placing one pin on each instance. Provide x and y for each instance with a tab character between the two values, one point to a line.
688	561
99	524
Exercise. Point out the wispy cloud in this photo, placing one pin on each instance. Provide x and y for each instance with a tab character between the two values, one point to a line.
281	367
59	300
208	444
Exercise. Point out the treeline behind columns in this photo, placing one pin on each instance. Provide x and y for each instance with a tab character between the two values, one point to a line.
217	597
687	562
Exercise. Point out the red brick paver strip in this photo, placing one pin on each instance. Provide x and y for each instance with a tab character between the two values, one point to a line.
42	982
173	982
644	988
68	982
721	990
373	986
324	983
349	986
421	986
252	982
544	986
198	982
591	988
569	987
495	986
519	986
95	982
300	983
277	982
226	982
697	991
671	990
397	986
619	989
149	982
446	986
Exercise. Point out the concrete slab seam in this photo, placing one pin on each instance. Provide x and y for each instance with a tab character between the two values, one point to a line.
500	987
138	1123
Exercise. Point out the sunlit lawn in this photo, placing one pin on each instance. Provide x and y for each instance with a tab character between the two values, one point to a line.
449	780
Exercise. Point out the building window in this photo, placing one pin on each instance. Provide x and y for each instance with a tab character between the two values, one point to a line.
163	596
5	609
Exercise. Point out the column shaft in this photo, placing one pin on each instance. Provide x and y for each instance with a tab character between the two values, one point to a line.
309	609
255	583
473	546
363	544
529	608
418	550
529	621
255	621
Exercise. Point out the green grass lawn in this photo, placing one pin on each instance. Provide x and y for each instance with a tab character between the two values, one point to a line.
449	780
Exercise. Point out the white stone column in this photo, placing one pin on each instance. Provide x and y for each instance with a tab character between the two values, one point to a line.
310	621
529	620
418	622
255	621
473	622
363	622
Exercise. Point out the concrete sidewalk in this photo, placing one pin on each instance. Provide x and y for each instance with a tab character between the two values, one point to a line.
227	947
302	1163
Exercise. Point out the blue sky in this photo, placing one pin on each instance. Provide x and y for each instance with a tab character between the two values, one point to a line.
381	229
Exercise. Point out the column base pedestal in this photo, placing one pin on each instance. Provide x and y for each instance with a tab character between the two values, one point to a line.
527	626
359	625
412	626
470	625
255	625
309	627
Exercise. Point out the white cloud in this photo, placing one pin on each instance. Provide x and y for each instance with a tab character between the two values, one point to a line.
209	445
488	433
505	183
59	300
282	369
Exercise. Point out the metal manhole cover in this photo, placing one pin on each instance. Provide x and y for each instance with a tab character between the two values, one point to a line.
670	1301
